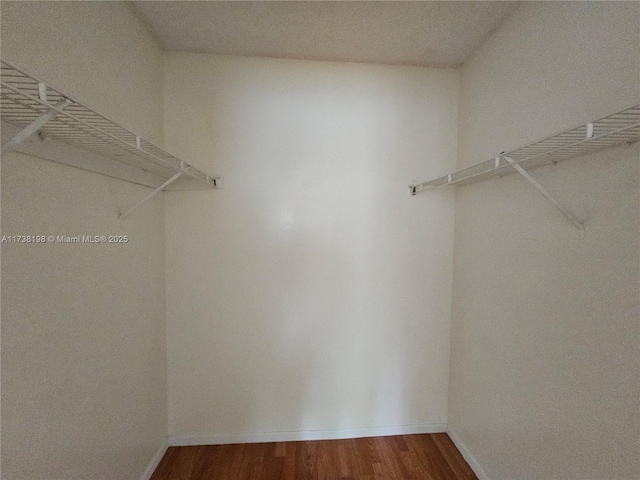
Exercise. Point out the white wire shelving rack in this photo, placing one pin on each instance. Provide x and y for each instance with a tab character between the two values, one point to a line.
35	113
617	129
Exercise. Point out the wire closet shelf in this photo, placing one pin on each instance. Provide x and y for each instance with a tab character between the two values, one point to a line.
616	129
27	102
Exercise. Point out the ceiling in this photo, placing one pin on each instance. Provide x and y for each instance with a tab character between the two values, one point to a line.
433	34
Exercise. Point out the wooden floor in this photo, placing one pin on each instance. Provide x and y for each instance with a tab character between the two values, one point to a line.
403	457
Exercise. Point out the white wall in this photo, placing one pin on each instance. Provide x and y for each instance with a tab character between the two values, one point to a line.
544	378
83	326
312	293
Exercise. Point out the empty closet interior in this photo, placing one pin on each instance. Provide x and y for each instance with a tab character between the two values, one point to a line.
241	222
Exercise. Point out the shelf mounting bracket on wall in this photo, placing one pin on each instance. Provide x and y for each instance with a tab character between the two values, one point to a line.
570	216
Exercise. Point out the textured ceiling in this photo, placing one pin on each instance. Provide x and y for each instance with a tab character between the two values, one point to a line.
435	34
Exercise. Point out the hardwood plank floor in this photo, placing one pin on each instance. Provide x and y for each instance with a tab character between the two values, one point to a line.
401	457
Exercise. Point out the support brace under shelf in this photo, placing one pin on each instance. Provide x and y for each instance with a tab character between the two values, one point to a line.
570	216
127	212
33	127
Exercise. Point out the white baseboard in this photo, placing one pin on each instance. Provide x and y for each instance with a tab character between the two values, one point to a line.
473	463
221	439
153	464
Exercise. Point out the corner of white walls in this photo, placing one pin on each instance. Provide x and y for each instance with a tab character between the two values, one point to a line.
155	461
471	460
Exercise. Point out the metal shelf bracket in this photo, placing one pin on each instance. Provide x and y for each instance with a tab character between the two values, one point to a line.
570	216
148	197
